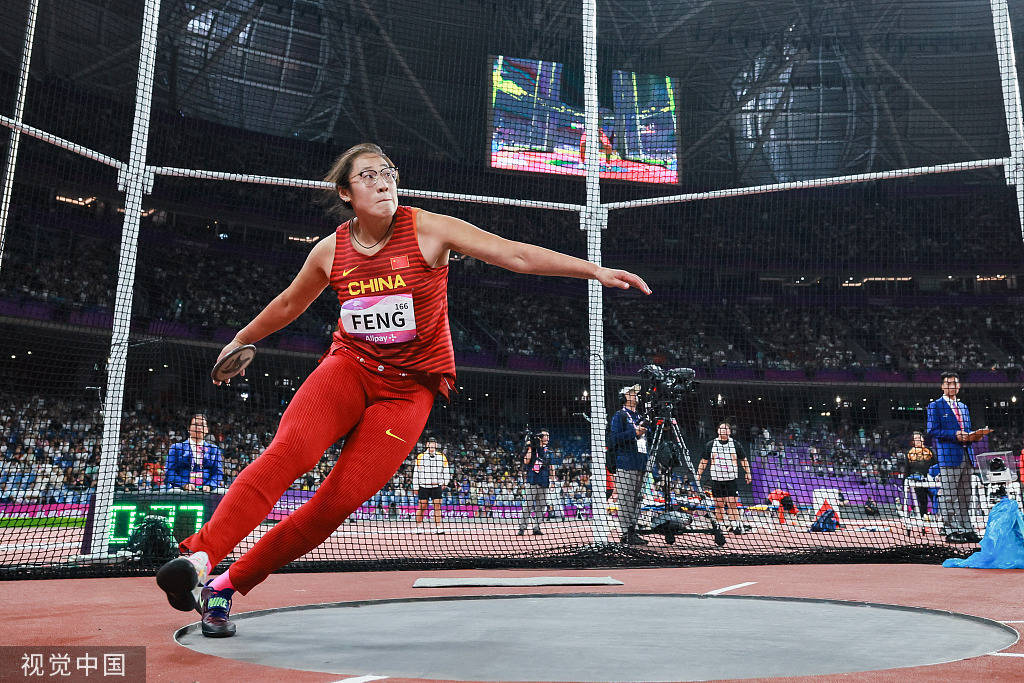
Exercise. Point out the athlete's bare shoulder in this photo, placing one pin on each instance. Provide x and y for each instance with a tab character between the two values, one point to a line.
327	242
321	255
428	220
432	231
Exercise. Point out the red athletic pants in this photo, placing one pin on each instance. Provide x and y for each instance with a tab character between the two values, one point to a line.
383	414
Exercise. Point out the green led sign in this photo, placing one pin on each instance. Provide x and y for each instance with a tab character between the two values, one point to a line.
184	518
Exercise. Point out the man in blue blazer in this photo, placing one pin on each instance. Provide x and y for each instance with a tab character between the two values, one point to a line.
949	425
194	464
627	462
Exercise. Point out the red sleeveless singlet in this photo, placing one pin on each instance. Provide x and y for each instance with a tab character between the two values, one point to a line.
394	306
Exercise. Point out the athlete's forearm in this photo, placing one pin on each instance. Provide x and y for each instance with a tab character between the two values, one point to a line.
528	258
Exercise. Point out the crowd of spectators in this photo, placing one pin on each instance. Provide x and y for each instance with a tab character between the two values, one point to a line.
796	339
50	448
486	469
50	451
926	338
664	332
203	287
869	455
77	275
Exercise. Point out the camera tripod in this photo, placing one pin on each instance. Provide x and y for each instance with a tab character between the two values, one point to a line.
668	449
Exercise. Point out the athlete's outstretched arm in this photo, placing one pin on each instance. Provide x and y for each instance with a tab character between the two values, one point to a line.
313	277
441	233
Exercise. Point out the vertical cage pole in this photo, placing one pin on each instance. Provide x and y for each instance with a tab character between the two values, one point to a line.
136	181
19	111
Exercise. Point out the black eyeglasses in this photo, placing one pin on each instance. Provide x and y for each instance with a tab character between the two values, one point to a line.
370	176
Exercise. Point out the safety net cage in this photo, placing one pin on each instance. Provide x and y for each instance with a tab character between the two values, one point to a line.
824	198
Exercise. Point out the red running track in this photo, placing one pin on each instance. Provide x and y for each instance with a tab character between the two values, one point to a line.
131	611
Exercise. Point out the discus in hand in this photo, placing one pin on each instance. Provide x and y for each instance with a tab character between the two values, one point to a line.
233	363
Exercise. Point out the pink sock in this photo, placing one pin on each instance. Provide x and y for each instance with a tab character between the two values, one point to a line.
223	581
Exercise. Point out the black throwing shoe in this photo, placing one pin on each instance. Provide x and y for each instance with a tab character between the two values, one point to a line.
956	537
215	607
179	580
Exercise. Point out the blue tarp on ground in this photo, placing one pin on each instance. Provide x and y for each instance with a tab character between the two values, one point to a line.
1003	545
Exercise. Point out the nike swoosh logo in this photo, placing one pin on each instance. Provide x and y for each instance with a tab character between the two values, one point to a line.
346	272
388	432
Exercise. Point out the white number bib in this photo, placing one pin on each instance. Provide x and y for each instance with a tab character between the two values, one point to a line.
387	319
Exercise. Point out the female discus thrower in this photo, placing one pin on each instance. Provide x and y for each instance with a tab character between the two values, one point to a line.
391	354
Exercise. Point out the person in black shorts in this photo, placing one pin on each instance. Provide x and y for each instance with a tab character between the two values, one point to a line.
431	474
726	456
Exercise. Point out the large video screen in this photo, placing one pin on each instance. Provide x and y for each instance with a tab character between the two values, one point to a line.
534	129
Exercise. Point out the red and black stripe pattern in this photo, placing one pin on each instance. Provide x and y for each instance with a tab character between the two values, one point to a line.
397	268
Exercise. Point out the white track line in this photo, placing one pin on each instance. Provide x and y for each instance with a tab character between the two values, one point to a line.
1007	654
517	581
719	591
1012	622
360	679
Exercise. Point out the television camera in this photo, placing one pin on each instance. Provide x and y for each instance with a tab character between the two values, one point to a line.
664	391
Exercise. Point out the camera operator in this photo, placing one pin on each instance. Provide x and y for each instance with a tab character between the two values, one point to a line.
726	456
537	469
627	461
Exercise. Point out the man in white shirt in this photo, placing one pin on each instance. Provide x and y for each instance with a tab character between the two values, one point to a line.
429	478
726	456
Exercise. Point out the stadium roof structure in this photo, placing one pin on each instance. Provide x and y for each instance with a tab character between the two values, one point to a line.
878	81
